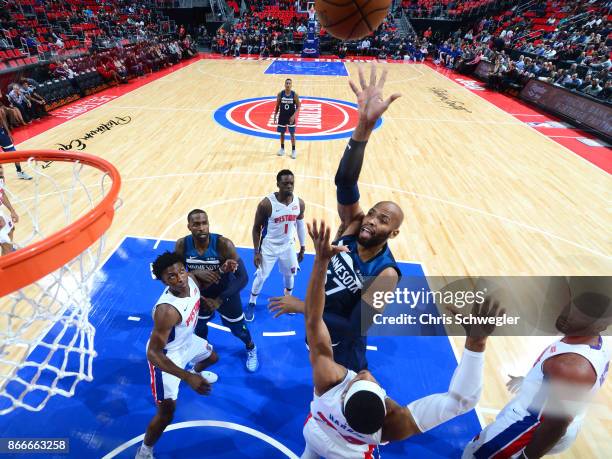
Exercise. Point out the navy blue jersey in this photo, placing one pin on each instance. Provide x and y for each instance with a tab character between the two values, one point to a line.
347	273
209	260
287	104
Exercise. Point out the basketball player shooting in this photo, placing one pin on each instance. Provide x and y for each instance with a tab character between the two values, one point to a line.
7	222
288	103
213	260
350	414
364	234
278	217
552	400
173	345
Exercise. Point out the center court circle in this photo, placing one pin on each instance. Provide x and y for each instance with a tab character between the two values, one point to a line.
319	118
209	423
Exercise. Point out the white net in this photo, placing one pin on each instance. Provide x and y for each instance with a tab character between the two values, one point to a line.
46	338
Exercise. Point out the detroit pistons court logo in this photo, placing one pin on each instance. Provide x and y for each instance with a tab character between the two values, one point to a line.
319	118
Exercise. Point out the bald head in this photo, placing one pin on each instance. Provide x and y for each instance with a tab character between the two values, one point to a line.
393	210
381	223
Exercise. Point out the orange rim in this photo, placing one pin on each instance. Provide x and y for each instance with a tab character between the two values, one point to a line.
36	260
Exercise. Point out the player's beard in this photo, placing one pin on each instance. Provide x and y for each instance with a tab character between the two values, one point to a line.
373	240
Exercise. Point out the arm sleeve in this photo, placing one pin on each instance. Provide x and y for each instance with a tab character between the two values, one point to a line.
301	232
237	280
348	172
462	396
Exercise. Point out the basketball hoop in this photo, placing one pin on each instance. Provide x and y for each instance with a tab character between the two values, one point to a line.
46	339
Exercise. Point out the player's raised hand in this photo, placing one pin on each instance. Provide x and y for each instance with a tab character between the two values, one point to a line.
320	235
370	97
487	312
198	383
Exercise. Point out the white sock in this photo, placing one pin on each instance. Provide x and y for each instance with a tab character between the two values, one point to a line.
256	287
146	448
289	281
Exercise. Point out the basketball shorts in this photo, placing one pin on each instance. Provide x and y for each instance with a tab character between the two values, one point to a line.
283	125
319	443
5	141
230	310
166	386
286	256
507	436
7	227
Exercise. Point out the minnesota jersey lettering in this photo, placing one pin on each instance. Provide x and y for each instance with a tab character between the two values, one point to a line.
209	260
287	107
346	274
342	277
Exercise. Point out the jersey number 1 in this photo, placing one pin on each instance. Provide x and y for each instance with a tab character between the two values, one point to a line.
286	227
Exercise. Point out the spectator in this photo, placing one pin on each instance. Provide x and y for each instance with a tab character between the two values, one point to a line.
594	89
365	46
19	100
606	93
572	82
13	115
106	73
37	101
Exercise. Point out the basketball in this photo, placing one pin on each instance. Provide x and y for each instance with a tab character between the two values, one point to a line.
351	19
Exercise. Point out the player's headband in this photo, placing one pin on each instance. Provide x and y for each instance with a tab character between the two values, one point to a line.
369	386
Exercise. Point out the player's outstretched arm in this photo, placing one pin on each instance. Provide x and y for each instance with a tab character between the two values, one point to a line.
264	210
466	384
371	107
568	379
326	372
166	317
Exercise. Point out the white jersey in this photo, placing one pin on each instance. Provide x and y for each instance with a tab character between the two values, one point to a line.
326	410
525	408
280	228
188	308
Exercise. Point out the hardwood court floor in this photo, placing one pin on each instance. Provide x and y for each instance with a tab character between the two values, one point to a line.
483	193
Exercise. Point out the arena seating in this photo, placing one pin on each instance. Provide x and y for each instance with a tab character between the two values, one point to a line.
73	37
449	8
69	26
